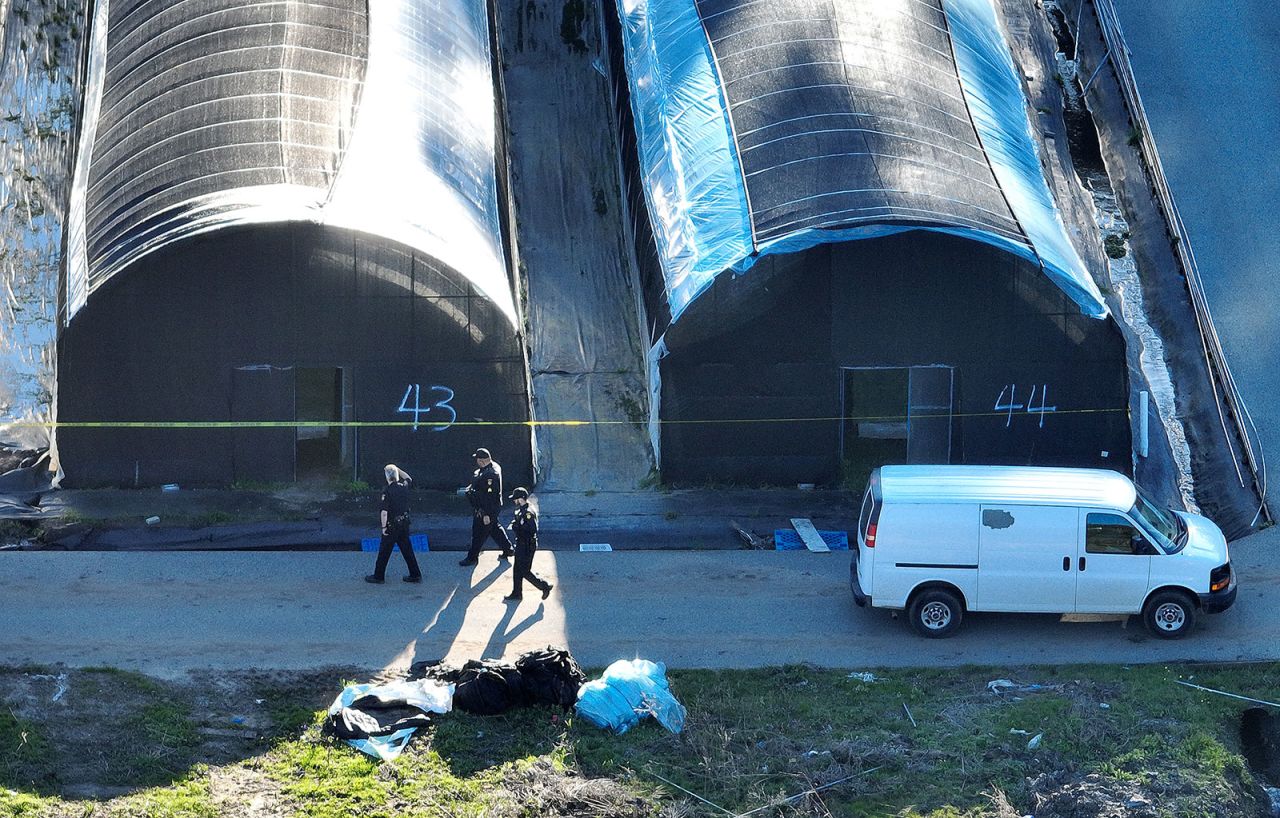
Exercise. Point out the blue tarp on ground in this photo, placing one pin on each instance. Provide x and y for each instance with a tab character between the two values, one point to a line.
771	127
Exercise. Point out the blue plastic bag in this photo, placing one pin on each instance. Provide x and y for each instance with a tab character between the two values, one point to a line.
628	691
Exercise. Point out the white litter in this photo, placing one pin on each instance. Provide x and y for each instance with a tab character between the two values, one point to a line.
863	676
1034	744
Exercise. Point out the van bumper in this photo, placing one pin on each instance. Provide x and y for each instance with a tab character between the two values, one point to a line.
1219	602
856	587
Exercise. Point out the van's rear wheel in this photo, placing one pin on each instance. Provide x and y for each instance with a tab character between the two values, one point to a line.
1170	614
936	613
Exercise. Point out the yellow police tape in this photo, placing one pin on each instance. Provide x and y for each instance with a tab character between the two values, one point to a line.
360	424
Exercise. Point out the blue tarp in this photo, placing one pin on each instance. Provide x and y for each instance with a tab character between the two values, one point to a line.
770	127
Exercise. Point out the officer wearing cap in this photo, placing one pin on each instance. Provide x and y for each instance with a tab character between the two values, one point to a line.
485	496
525	527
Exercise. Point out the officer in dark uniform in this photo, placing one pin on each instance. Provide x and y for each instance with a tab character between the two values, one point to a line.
395	526
525	527
485	496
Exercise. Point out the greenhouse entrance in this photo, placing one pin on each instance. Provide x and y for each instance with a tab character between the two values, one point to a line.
894	415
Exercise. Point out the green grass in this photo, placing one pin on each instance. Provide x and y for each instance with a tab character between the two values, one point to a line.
751	737
211	518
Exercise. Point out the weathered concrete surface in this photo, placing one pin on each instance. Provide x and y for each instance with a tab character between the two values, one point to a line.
583	306
1209	74
166	614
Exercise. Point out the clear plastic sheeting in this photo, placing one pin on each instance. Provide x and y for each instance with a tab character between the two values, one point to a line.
217	113
770	127
688	162
999	109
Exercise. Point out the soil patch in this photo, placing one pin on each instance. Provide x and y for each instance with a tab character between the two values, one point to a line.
101	733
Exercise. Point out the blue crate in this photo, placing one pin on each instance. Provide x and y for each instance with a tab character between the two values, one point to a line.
419	542
786	539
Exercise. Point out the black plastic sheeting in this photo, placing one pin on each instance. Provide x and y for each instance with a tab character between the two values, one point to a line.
207	96
851	112
915	348
295	305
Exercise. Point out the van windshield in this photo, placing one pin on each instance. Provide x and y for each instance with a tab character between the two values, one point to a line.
1165	528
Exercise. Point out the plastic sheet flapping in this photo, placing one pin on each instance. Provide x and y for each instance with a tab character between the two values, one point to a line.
628	691
215	113
907	153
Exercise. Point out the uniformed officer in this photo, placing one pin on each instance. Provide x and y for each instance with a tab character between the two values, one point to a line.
395	526
485	496
525	527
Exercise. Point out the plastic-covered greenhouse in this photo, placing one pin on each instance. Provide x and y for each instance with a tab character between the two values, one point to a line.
289	212
963	326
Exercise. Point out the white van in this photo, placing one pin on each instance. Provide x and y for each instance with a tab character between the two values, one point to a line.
940	541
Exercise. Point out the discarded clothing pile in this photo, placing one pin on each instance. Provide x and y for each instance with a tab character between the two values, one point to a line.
628	691
380	719
547	676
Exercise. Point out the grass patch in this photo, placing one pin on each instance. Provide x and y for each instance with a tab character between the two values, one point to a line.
211	518
1116	245
751	738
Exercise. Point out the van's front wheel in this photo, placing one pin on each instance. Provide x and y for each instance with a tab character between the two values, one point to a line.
1170	614
936	613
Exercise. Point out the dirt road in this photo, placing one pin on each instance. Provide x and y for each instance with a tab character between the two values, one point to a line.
167	613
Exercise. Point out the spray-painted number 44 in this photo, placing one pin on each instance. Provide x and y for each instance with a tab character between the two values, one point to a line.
1031	406
445	413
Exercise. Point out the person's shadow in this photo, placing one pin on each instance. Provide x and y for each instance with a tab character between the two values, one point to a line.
501	637
449	618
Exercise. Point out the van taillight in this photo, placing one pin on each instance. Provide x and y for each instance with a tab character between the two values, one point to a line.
871	535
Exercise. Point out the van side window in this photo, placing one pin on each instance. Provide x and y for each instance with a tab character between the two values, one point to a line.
1113	534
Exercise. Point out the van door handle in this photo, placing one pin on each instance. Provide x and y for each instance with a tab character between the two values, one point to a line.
1066	563
1082	563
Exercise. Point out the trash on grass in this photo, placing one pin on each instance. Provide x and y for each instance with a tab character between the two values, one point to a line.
863	676
486	687
380	719
999	686
629	690
1034	744
60	680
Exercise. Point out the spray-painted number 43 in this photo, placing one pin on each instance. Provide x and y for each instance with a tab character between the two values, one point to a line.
442	407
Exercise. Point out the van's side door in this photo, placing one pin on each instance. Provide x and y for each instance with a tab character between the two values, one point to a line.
1114	567
1027	558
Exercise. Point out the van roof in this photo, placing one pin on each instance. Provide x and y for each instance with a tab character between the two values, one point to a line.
1006	484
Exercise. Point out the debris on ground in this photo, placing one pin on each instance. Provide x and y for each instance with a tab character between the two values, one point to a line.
486	687
1000	686
863	676
629	690
380	719
749	538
